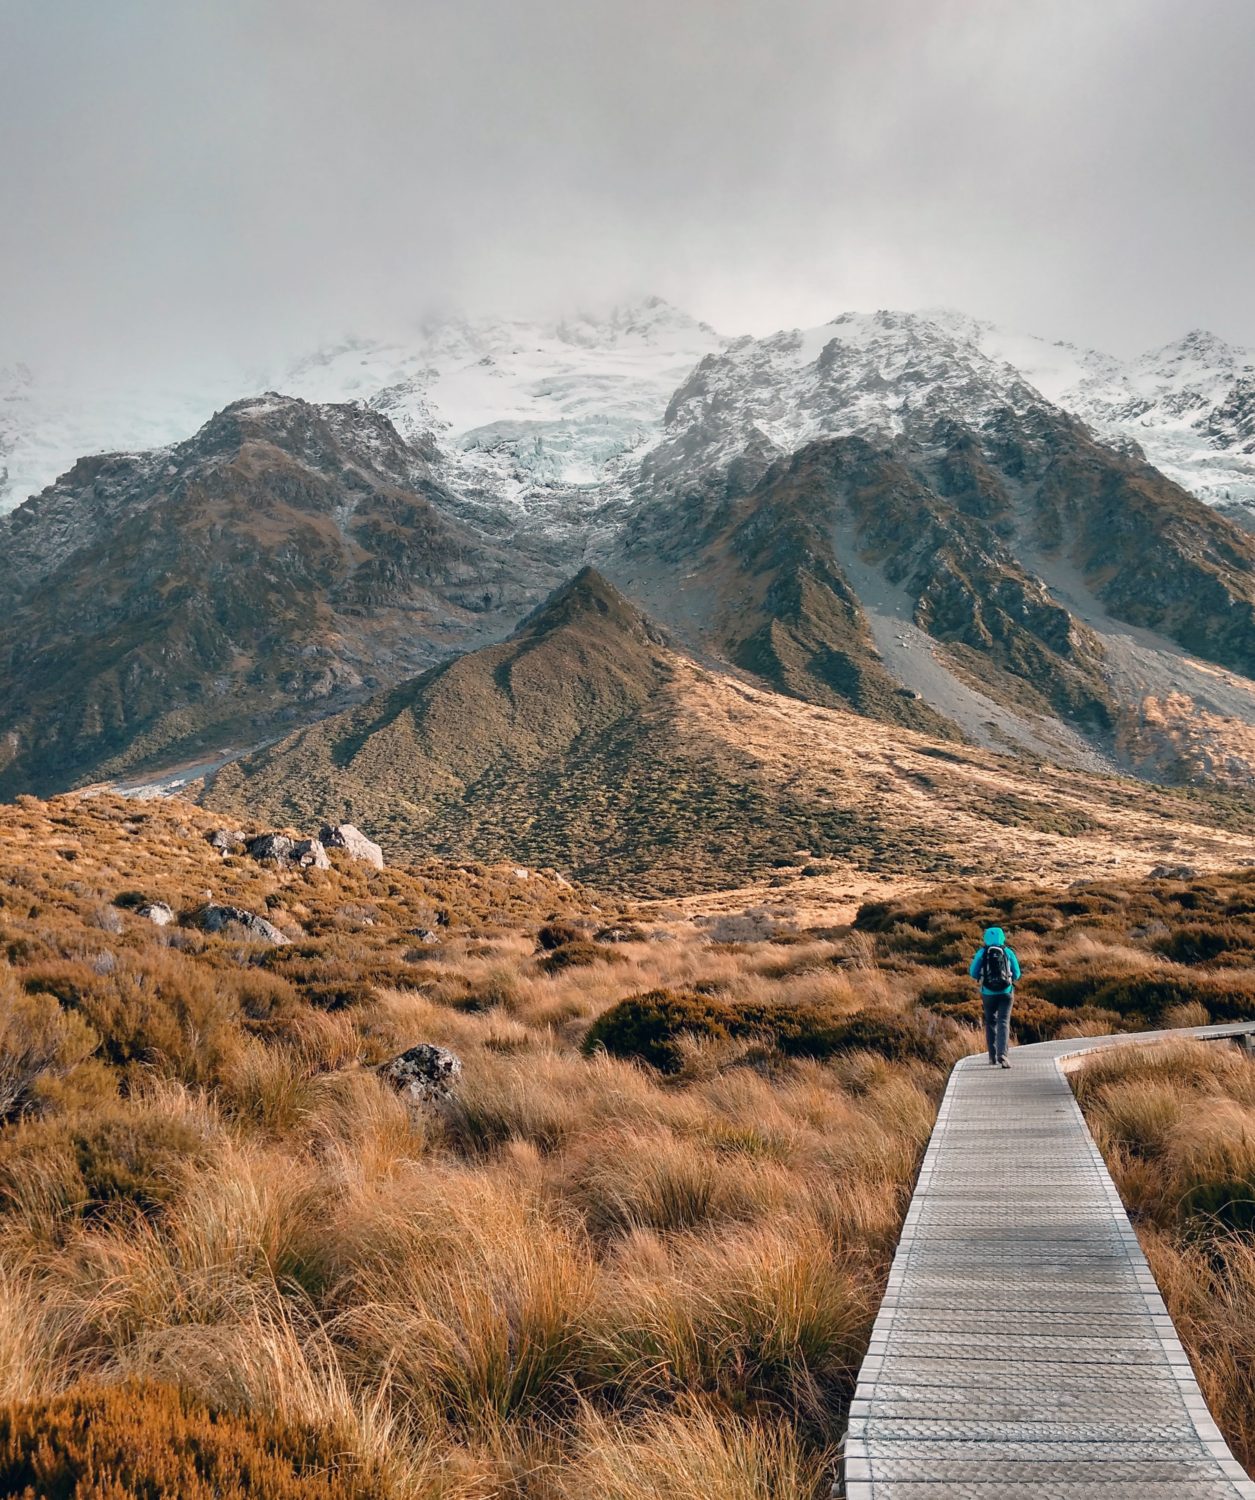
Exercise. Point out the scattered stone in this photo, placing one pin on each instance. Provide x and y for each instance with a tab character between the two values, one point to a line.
354	842
425	1074
1173	872
156	912
424	934
627	934
217	918
521	874
226	840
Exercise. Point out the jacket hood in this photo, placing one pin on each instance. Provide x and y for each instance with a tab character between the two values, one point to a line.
994	937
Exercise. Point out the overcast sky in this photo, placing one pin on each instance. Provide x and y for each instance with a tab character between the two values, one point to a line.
183	181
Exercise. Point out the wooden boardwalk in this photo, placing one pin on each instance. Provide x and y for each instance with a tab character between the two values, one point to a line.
1022	1351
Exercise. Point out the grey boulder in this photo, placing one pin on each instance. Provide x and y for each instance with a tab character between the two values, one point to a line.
353	841
425	1074
310	854
219	918
276	848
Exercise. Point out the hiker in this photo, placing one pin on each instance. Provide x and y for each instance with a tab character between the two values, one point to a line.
997	968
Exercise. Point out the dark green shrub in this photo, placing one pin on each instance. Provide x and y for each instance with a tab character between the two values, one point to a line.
116	1154
557	934
578	956
899	1036
649	1027
1201	943
339	994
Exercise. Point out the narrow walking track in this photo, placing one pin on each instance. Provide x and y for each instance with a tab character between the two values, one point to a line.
1022	1351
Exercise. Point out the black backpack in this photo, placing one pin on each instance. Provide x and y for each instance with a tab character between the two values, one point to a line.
995	970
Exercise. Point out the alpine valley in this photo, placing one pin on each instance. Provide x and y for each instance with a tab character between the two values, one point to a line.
625	596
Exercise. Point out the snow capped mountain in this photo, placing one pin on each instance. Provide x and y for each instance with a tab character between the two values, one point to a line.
521	409
1189	406
548	421
518	409
884	373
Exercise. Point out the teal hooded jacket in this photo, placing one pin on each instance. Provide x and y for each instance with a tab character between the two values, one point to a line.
994	938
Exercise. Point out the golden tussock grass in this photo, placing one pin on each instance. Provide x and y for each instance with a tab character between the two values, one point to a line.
579	1276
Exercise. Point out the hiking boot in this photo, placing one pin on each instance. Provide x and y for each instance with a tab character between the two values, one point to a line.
993	1062
1003	1063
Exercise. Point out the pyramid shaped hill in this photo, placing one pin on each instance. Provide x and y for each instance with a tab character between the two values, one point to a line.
588	742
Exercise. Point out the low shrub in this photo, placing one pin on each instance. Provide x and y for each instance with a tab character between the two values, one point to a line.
899	1036
39	1045
556	935
578	955
651	1028
1201	943
119	1154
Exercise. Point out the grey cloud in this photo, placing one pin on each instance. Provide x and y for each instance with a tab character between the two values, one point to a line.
191	181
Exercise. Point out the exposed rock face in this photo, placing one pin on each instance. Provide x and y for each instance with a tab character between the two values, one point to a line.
218	918
226	840
425	1074
353	842
156	912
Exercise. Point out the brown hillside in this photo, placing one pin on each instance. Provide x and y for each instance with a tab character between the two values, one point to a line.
587	743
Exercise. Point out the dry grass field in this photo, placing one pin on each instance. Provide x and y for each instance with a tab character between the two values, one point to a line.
636	1254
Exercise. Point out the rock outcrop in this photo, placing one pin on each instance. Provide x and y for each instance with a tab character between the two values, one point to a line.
287	852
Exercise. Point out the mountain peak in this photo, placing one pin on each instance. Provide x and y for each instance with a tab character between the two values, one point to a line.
587	598
1199	348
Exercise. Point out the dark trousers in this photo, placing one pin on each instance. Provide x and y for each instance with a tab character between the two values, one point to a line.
997	1024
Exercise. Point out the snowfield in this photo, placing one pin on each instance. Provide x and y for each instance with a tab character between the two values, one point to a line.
551	420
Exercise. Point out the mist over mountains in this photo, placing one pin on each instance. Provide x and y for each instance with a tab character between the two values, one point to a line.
523	406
